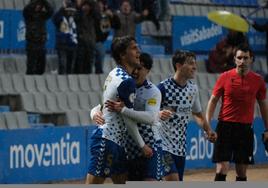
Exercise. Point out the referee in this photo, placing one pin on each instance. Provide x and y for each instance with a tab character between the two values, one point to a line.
238	89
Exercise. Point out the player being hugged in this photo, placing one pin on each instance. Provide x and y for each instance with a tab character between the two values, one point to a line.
108	157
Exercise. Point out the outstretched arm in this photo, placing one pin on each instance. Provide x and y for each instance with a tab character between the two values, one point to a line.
202	122
264	113
212	103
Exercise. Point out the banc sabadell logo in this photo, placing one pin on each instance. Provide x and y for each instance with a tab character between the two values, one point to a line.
194	35
21	30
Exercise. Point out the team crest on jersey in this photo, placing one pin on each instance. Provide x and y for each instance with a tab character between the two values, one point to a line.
151	102
190	98
132	97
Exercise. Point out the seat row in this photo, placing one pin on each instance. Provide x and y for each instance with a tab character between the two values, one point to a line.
253	3
14	120
162	64
17	64
60	102
148	28
20	120
14	84
202	10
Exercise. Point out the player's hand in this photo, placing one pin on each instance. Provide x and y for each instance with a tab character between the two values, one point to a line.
114	106
211	135
147	151
265	140
165	114
98	118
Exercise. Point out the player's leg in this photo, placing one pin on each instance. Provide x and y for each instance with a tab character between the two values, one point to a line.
105	159
241	172
119	178
135	169
172	177
170	172
180	165
243	150
118	163
91	179
97	162
222	153
221	171
153	166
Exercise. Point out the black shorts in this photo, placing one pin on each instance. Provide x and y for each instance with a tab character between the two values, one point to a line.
234	143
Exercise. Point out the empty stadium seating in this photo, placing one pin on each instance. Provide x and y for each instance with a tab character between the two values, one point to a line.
61	99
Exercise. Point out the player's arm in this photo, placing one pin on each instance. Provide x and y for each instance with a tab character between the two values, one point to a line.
126	93
262	101
201	120
149	116
96	115
164	114
212	103
151	113
264	113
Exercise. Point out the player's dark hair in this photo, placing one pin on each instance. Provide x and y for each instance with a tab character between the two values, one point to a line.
181	56
146	60
119	47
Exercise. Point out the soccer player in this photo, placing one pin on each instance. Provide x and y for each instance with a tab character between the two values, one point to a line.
146	105
146	110
180	96
108	157
238	89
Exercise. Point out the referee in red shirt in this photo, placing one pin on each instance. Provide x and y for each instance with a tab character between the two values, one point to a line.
238	89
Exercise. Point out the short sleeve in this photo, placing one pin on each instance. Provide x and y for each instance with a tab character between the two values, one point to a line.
197	105
219	86
153	103
162	90
261	94
126	92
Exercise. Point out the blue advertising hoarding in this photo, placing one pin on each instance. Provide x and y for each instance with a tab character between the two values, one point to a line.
48	154
197	33
18	30
43	154
5	29
199	150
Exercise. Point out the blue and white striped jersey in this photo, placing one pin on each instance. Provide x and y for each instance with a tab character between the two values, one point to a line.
182	101
118	84
148	98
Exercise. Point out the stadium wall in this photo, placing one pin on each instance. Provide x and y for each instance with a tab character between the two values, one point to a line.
41	155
